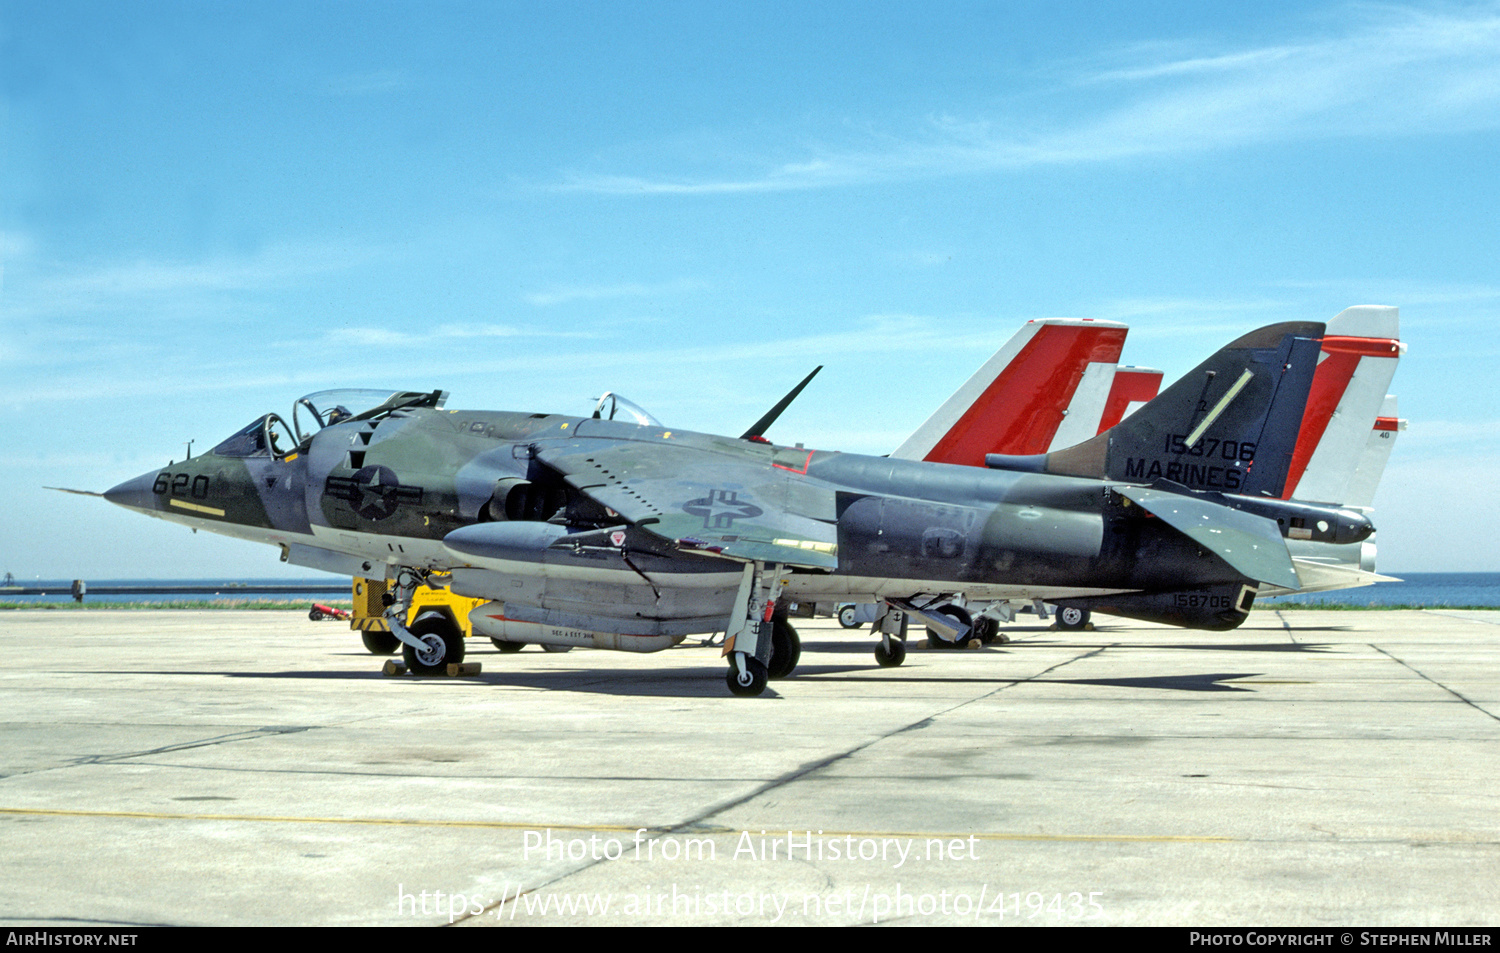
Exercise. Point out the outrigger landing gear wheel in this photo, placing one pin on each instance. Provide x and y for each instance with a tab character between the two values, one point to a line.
894	657
507	647
786	649
443	645
1072	618
849	617
987	630
747	683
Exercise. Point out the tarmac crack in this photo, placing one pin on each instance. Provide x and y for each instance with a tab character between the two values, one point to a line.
1439	684
1290	633
252	734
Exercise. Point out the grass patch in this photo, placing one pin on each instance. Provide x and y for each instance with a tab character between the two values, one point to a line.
1362	607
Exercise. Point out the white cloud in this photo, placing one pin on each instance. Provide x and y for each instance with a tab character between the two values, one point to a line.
564	295
156	284
1392	71
425	336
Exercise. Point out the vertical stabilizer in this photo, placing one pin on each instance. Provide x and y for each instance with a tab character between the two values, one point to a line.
1379	442
1019	398
1230	424
1134	388
1360	351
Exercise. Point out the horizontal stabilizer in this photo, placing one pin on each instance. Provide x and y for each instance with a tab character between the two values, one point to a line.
1251	544
1322	577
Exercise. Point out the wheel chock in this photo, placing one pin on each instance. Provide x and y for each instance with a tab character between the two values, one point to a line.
456	670
393	667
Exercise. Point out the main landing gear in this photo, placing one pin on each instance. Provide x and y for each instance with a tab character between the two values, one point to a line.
1072	618
759	644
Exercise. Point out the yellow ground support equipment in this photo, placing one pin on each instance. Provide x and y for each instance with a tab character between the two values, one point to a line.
369	612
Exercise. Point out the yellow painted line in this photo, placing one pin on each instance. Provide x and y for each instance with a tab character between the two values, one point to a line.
623	828
196	508
1224	402
371	821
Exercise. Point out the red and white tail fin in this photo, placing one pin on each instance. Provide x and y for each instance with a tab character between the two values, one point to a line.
1377	453
1359	356
1016	402
1107	394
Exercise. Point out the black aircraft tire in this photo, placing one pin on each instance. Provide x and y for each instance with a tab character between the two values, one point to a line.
985	629
935	641
549	647
849	617
786	649
378	642
894	657
445	642
752	683
507	647
1071	618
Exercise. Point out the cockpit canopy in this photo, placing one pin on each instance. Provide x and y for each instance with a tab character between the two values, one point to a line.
614	407
271	435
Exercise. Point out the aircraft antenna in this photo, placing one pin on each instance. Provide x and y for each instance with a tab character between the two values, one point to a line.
764	423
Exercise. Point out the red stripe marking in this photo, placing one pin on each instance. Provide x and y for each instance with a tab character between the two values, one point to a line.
794	469
1364	347
1330	381
1022	408
1387	423
1130	384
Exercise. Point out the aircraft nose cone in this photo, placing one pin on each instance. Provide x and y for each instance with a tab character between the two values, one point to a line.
1353	527
134	494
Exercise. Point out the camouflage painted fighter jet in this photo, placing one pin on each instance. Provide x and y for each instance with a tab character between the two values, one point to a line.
615	532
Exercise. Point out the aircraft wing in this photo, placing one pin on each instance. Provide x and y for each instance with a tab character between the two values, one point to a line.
720	504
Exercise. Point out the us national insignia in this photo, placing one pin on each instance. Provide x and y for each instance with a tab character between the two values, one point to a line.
720	509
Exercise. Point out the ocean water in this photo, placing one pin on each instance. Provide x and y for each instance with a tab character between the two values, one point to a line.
1414	589
1417	589
163	590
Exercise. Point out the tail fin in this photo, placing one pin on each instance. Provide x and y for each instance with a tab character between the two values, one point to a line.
1017	400
1231	424
1107	393
1376	453
1360	353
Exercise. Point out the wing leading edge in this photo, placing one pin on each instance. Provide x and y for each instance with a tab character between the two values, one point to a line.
741	508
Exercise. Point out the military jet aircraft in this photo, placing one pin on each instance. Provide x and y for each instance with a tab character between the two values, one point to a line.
616	532
1055	384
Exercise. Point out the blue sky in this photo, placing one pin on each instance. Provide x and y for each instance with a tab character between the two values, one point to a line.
209	209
